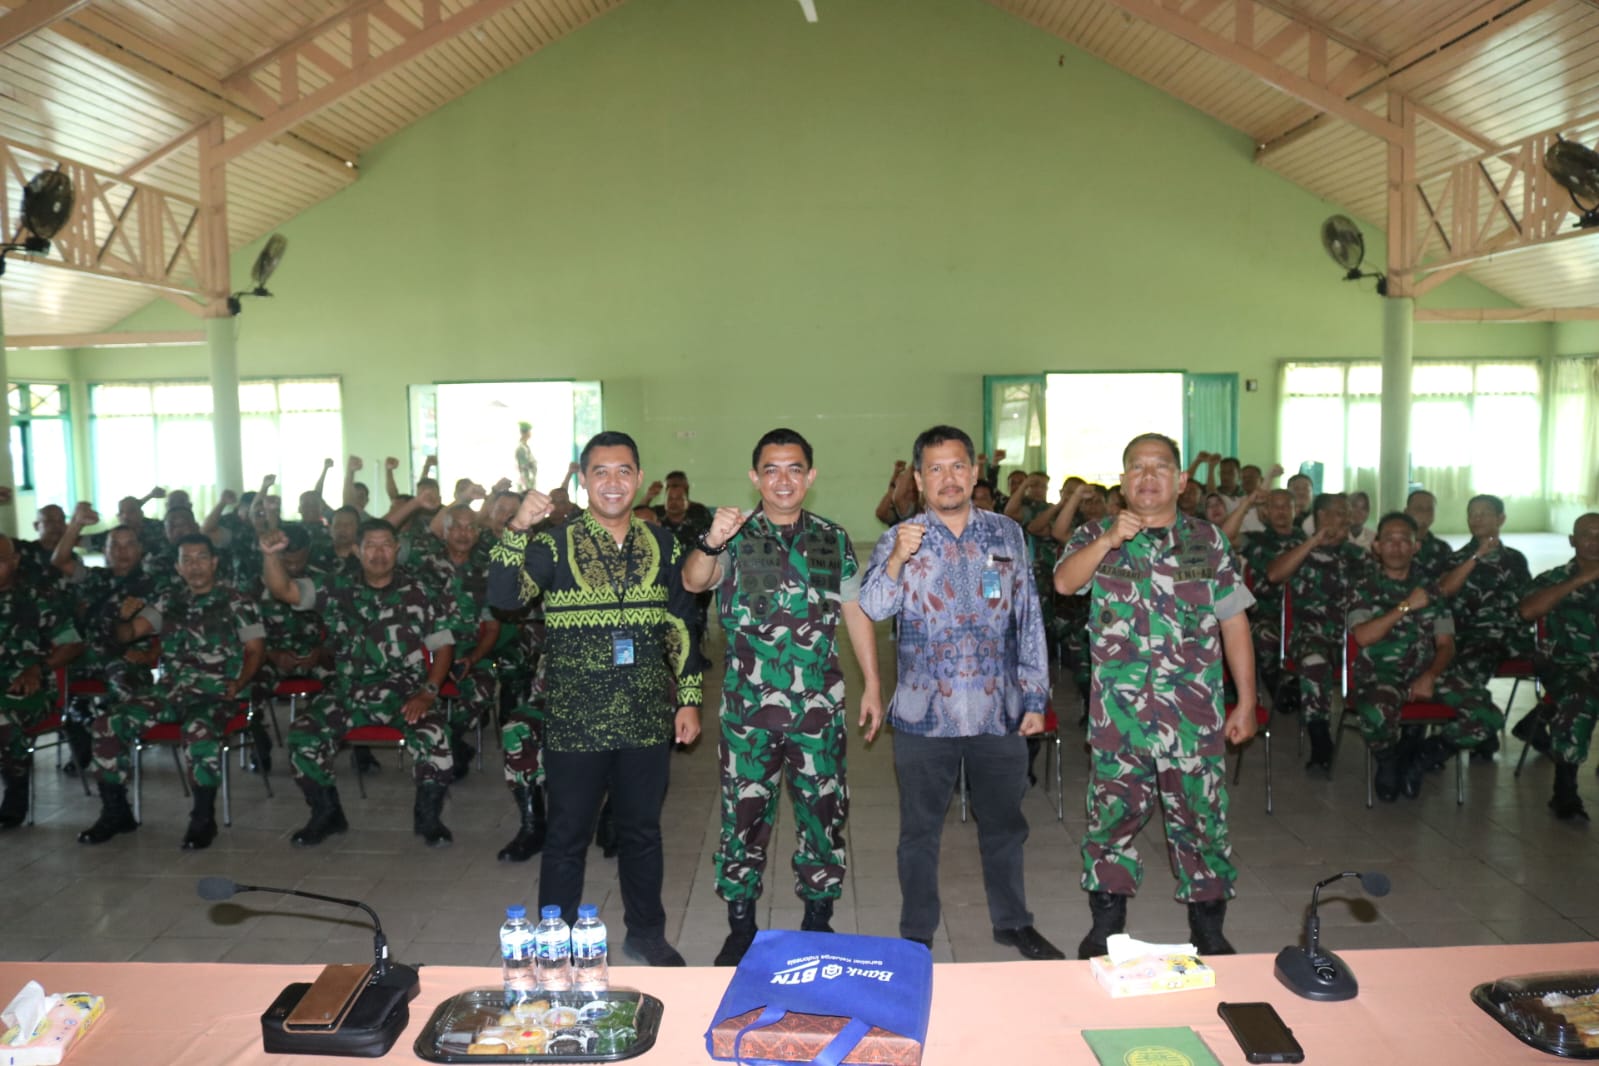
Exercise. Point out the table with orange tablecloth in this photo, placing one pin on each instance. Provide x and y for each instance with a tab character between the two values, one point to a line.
1414	1006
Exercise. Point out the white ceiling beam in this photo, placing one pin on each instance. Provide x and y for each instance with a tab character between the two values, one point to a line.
125	339
1310	86
292	105
809	7
33	16
1508	315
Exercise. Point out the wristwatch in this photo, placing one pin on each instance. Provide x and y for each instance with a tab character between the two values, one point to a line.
704	547
1404	607
430	688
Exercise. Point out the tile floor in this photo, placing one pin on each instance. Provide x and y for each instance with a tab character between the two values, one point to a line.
1499	868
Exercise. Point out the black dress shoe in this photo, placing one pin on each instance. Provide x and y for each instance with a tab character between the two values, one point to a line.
928	943
1028	941
652	952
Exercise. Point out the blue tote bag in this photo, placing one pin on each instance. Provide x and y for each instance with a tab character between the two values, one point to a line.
872	981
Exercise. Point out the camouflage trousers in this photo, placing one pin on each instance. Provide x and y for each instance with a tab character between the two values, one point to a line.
1570	711
199	710
1319	666
522	701
123	680
1267	635
315	735
1123	790
1376	705
474	703
754	761
1477	657
18	714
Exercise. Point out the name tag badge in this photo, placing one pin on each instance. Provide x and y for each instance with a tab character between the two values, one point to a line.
991	586
621	649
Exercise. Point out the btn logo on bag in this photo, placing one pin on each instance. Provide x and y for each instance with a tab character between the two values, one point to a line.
804	971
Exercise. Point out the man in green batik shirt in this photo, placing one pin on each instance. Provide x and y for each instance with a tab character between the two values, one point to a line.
1566	601
212	643
623	676
1406	637
784	578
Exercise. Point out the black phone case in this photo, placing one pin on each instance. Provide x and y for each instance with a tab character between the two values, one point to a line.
374	1023
1293	1053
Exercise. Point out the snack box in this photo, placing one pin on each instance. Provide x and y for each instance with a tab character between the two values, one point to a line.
801	1037
63	1026
1151	975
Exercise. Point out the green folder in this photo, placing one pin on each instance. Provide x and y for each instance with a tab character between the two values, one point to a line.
1176	1046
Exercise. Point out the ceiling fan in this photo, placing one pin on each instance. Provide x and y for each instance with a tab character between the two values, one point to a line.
265	263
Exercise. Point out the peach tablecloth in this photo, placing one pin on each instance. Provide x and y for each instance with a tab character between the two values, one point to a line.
1414	1007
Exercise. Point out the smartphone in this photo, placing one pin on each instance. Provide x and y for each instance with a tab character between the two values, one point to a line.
1261	1033
329	999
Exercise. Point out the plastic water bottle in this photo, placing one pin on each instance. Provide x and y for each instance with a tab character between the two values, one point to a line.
516	956
552	951
590	971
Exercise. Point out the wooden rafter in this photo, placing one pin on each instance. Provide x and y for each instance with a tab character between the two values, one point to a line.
1327	63
35	15
273	84
1507	315
129	339
119	229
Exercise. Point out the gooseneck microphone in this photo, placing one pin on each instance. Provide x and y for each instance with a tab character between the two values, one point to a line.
1316	974
216	889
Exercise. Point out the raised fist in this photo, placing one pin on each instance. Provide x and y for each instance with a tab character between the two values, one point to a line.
1125	528
229	498
327	464
273	542
356	463
573	467
84	514
999	455
654	490
267	483
502	485
535	509
475	491
907	540
158	493
724	525
391	463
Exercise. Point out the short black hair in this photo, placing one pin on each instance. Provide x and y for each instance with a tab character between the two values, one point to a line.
1398	516
1300	477
374	525
1325	501
1161	438
179	510
983	483
354	512
608	438
299	537
197	538
941	435
247	498
677	475
1360	494
1230	459
1248	466
1491	500
777	437
1419	492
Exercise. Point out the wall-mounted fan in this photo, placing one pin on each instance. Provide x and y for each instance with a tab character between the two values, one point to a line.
265	263
46	207
1575	168
1346	246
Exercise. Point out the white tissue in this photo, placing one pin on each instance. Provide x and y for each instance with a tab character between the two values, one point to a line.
27	1011
1123	948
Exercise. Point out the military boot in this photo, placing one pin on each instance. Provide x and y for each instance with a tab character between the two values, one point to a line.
1436	751
1566	803
1204	927
115	816
261	747
741	932
1387	779
1411	770
1109	912
818	916
428	812
202	820
14	808
460	754
75	725
1321	745
1533	730
529	839
327	815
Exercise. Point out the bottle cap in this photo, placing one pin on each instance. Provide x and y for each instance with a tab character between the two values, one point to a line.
552	911
516	910
588	910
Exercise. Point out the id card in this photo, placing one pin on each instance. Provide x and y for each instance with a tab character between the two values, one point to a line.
991	584
621	649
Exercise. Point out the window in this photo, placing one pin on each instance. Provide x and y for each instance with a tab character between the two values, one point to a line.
1474	426
1574	432
41	441
144	434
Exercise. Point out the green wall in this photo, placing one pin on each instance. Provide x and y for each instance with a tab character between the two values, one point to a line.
737	220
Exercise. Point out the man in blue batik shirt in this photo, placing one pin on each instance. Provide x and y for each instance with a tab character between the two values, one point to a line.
973	681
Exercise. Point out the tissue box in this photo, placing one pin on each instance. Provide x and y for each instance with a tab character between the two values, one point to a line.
801	1037
1152	974
63	1026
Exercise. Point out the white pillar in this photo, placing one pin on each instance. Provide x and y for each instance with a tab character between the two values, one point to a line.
1398	331
222	340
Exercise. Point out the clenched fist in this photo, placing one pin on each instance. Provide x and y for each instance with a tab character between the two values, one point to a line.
725	524
907	541
1125	528
535	508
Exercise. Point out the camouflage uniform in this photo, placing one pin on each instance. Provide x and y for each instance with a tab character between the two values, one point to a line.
24	637
1568	665
522	694
100	593
202	650
1488	626
300	633
1384	671
466	589
380	639
781	599
1432	556
1323	591
1266	617
1155	713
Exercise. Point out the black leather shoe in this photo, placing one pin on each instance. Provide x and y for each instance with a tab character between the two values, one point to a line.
652	952
928	943
1028	941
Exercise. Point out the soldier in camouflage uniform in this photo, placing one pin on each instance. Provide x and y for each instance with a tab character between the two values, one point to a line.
1406	636
383	623
1167	605
36	637
784	579
1321	574
1484	582
1566	601
1259	550
212	644
1432	553
296	645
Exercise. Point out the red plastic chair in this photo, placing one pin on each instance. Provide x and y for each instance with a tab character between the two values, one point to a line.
1426	713
373	736
1263	732
171	733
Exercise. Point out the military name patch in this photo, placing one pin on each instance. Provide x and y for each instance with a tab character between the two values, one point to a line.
1195	573
1125	572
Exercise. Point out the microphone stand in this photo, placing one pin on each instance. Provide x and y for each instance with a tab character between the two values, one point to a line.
1311	972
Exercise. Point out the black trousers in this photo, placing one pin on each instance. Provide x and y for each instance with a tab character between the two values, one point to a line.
575	783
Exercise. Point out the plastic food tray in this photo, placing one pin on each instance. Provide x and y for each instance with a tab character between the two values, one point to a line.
590	1026
1517	1004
